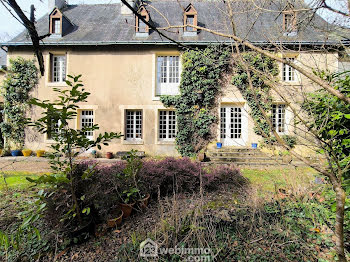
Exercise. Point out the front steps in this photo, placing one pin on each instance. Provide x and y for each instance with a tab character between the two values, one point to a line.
248	157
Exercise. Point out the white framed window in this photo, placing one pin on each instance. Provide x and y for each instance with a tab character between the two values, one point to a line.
142	25
53	128
190	21
279	118
58	66
167	125
56	26
87	120
288	72
133	128
168	75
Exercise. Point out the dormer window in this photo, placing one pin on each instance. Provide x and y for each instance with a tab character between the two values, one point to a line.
56	22
289	22
56	26
59	23
190	18
142	29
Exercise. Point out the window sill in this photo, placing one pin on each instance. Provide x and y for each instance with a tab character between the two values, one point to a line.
160	142
132	142
291	83
56	84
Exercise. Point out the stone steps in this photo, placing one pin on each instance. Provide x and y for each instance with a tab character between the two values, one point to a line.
246	156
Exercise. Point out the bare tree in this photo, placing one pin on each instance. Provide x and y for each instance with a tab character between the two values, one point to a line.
29	24
239	42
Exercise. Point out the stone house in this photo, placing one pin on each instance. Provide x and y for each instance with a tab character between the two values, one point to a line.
126	66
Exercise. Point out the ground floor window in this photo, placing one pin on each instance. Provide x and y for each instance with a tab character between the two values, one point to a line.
278	118
231	122
167	125
87	120
133	128
53	128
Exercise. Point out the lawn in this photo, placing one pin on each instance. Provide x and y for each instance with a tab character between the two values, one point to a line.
264	179
16	179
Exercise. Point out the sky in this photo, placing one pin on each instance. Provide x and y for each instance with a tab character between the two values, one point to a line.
10	27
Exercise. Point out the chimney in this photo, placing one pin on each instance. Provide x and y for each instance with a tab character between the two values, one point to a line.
125	10
56	3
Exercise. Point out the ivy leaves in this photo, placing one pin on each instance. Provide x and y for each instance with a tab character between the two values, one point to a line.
196	106
260	95
22	77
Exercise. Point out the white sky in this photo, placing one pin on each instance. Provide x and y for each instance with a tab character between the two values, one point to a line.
10	27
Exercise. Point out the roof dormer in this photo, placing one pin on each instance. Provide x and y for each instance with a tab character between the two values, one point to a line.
190	18
59	24
142	29
289	21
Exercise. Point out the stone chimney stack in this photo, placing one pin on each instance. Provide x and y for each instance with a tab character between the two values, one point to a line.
125	10
56	3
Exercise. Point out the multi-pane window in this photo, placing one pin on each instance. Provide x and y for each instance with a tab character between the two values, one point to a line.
87	121
236	122
56	26
289	72
223	122
189	21
133	128
167	125
278	118
53	128
231	122
142	26
289	22
168	78
58	68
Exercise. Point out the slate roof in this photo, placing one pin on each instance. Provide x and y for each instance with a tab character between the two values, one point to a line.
102	24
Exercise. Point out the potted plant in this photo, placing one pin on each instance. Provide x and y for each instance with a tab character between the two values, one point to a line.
128	200
16	152
109	155
26	152
40	153
115	218
127	185
143	201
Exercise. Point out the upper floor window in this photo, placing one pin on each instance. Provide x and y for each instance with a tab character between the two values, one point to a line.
288	72
289	22
87	121
168	75
141	27
279	118
56	22
56	26
58	68
190	18
167	125
133	128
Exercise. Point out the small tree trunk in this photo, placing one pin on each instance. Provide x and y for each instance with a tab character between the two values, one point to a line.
339	223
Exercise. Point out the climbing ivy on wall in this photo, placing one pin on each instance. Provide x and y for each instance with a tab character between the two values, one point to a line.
264	65
22	77
196	105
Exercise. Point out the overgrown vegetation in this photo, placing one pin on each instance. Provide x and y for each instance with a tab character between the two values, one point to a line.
295	228
22	77
196	105
260	96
